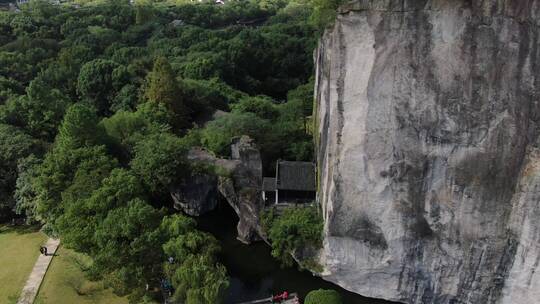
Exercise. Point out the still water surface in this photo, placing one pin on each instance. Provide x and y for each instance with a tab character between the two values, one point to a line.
254	273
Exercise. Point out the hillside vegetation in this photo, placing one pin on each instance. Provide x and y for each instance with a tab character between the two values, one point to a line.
100	103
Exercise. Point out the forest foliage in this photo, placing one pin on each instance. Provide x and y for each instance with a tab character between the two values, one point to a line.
100	102
292	231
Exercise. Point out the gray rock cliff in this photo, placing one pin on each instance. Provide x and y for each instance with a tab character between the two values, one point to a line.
428	151
239	182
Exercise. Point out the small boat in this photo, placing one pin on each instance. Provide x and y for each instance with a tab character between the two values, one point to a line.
282	298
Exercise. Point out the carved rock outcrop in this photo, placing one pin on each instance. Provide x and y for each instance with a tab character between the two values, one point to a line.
242	188
239	181
428	154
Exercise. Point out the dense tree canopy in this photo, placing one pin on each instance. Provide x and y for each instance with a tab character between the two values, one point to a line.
99	105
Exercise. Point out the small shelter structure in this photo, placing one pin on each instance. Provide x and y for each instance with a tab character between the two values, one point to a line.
295	183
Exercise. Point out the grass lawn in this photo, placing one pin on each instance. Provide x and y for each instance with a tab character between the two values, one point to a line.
19	249
65	282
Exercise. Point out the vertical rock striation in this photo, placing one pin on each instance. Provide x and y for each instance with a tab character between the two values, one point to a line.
429	161
242	189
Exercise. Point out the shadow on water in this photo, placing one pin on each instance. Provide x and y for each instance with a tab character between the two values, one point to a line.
254	273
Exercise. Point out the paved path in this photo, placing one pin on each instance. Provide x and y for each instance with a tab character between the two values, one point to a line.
31	288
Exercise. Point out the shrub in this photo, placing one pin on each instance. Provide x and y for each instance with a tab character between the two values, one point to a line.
324	12
295	229
323	296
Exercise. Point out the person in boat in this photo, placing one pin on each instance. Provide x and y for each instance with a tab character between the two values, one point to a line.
281	297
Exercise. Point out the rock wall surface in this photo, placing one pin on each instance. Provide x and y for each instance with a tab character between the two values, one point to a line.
428	151
196	196
239	182
242	188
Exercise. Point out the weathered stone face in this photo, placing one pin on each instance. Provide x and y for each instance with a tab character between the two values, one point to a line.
240	185
428	117
242	188
196	196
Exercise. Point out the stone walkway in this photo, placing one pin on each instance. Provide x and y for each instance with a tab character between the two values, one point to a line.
31	288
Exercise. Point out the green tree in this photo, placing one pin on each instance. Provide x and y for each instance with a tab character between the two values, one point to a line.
175	225
9	87
39	112
69	174
323	296
44	109
127	240
191	243
82	217
196	275
261	106
25	192
80	128
160	160
324	11
272	5
299	106
207	96
14	145
42	11
87	177
199	281
293	129
204	65
103	36
126	129
96	83
296	228
143	14
75	164
22	24
163	88
157	114
126	99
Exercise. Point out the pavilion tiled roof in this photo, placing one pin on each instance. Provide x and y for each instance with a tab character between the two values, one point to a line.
297	176
269	184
